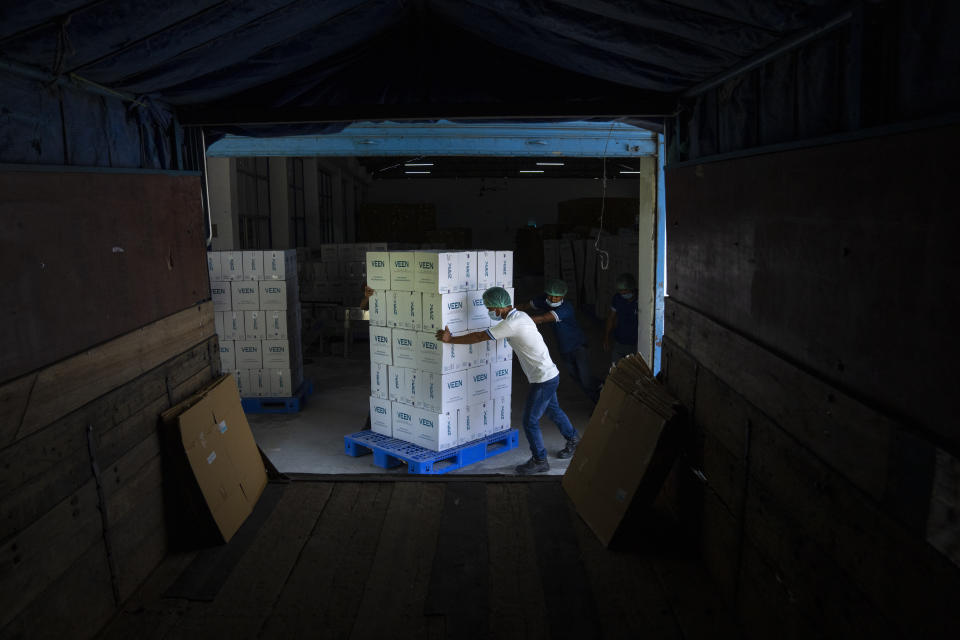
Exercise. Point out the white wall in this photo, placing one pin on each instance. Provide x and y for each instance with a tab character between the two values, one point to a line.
222	187
495	207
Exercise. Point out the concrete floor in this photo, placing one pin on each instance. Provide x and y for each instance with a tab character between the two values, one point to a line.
312	441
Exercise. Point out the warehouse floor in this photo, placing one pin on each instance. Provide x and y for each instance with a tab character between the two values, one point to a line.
311	441
440	558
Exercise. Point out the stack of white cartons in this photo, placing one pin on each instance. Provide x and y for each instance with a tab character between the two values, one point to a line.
257	313
424	391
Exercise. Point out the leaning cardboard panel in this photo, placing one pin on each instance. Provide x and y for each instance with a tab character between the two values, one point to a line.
215	438
624	455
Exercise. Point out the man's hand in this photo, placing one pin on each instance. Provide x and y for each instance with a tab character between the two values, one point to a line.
367	291
444	336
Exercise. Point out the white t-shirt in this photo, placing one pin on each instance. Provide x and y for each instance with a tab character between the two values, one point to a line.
525	340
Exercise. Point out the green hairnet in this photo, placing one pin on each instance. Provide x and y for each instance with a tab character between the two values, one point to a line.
496	298
555	287
626	281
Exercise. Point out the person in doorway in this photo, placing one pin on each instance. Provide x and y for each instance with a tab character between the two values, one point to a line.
552	308
622	319
521	332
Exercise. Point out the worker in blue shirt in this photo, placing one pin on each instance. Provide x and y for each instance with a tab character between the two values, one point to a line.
622	319
552	308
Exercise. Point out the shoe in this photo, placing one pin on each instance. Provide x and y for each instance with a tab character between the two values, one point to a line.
567	451
532	466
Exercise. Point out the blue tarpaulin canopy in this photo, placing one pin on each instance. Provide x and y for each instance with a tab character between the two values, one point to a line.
108	83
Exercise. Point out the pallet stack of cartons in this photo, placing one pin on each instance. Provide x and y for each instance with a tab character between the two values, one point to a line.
424	391
257	313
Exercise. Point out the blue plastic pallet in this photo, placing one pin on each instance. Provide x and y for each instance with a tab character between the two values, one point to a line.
293	404
389	452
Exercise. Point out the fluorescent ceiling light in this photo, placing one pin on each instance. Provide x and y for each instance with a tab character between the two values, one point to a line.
631	171
531	170
416	172
549	164
418	164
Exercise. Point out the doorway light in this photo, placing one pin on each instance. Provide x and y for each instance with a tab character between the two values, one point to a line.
549	164
531	170
408	172
418	164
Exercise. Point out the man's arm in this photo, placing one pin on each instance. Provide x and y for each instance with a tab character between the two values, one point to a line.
470	338
546	317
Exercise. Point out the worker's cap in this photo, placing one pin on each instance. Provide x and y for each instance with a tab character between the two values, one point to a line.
496	298
626	281
555	287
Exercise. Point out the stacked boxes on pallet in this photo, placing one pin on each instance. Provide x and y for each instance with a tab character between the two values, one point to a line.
257	311
424	391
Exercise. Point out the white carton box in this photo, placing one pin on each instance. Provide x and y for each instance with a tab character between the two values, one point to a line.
378	308
234	325
445	310
277	295
435	356
405	348
228	358
242	376
437	272
379	381
214	270
381	420
280	325
276	354
477	315
504	352
465	356
378	270
249	355
473	423
244	295
435	431
402	422
260	383
220	294
412	379
231	265
218	324
412	312
402	270
501	413
504	275
501	378
252	265
442	391
478	384
280	264
468	270
486	270
485	351
381	345
396	383
394	304
281	383
254	325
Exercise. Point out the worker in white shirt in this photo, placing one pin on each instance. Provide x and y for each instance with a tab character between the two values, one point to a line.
544	377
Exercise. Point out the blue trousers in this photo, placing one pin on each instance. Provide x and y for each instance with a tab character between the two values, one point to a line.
542	399
578	362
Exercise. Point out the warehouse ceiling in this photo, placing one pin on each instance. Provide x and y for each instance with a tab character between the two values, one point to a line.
314	65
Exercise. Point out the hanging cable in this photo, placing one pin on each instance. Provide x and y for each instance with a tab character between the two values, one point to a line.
604	255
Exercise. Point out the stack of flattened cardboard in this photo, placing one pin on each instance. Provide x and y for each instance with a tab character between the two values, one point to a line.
626	451
210	438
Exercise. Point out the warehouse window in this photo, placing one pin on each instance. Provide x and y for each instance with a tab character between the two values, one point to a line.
325	194
298	217
253	190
